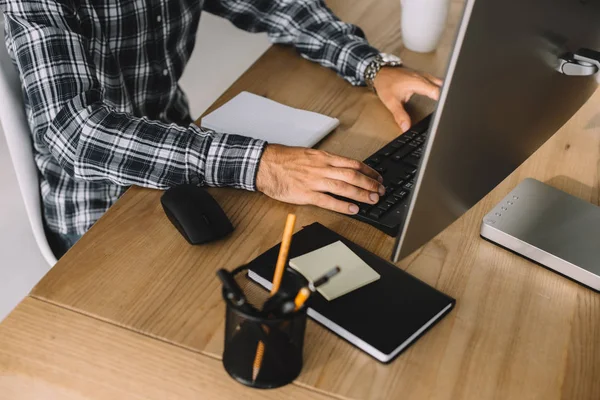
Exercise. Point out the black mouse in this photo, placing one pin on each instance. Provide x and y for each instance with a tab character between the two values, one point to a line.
195	214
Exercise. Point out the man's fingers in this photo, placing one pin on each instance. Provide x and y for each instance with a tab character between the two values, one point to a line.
401	116
347	190
437	81
343	162
355	178
424	87
325	201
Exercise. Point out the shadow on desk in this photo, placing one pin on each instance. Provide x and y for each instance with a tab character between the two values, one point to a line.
574	188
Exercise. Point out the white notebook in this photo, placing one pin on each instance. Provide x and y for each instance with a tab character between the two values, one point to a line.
255	116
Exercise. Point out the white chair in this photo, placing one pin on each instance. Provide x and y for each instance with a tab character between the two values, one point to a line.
18	138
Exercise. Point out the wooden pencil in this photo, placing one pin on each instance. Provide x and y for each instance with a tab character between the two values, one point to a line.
277	278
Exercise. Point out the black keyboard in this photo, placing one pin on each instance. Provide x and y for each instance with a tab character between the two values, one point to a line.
397	162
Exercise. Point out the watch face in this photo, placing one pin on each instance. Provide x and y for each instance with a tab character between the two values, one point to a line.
390	58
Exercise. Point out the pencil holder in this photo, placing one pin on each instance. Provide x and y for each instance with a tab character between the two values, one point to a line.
279	342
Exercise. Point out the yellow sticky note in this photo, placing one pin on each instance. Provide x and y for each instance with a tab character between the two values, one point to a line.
354	273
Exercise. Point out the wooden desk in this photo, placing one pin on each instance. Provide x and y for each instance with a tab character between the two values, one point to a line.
133	295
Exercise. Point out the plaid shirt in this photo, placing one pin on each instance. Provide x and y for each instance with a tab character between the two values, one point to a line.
100	89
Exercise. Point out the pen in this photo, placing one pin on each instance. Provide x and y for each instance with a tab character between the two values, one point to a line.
232	289
305	292
325	278
235	294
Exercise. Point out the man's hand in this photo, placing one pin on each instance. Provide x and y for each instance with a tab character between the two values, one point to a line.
395	86
305	176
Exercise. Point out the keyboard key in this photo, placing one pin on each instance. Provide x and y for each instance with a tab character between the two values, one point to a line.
401	212
400	154
370	163
387	152
397	145
384	205
397	181
420	128
375	213
381	170
364	209
402	140
389	189
375	160
410	160
414	145
408	186
400	194
392	200
411	134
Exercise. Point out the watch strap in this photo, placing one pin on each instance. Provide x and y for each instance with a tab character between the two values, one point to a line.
378	62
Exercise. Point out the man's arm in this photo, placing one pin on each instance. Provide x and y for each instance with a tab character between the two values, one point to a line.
320	36
92	140
306	24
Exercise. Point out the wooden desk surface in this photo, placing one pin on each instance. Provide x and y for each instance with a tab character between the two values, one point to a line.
518	330
43	357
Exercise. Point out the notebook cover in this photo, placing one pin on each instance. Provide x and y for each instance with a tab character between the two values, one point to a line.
385	314
248	114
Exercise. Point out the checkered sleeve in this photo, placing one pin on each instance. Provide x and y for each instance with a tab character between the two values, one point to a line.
91	140
308	25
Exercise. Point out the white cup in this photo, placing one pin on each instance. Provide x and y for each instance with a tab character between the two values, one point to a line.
423	23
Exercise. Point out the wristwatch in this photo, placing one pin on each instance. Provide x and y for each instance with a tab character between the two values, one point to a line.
381	60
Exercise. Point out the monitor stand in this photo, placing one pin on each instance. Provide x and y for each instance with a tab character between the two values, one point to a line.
556	230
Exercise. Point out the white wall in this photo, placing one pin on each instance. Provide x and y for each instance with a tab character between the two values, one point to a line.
221	55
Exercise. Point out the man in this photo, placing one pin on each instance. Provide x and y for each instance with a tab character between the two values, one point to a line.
99	82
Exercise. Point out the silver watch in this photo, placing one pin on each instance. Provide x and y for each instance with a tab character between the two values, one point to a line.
380	61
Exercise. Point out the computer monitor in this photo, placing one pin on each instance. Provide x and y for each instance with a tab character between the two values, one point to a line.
502	98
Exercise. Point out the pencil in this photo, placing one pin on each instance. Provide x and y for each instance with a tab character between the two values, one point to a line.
301	297
284	249
277	277
305	292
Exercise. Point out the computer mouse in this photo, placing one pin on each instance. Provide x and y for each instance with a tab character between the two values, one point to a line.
195	214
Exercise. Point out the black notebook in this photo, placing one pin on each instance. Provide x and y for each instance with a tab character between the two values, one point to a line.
382	318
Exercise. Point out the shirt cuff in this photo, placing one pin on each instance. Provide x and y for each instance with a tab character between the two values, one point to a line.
354	59
224	159
364	54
